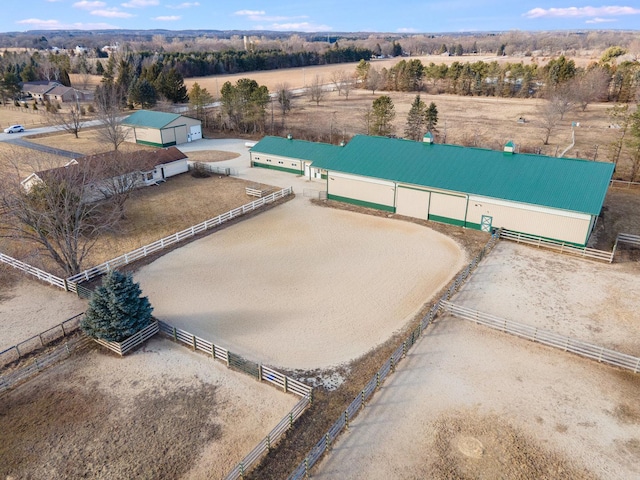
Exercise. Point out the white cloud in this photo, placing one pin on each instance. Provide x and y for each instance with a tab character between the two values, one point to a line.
406	30
38	24
111	13
141	3
184	5
86	5
167	18
578	12
296	27
601	20
250	13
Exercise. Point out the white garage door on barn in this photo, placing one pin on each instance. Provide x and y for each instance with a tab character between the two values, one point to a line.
412	202
447	208
195	132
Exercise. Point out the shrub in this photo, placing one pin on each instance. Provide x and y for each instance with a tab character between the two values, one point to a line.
116	309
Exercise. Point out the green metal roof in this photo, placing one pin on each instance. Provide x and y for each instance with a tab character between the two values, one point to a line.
147	118
563	183
292	148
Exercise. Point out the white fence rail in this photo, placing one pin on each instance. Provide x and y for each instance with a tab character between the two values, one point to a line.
36	272
588	350
624	184
175	238
121	348
628	238
558	246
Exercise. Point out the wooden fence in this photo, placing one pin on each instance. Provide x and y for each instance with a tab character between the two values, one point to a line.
558	246
173	239
36	342
41	362
325	443
260	372
121	348
546	337
207	167
36	272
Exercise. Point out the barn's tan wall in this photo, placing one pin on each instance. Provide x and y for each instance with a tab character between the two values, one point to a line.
369	191
544	222
142	134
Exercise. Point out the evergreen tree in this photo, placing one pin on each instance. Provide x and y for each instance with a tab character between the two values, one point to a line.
431	117
416	119
143	93
116	309
171	86
99	68
383	114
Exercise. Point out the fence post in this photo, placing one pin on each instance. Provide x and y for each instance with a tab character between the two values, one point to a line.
260	372
175	335
346	419
290	419
362	398
286	385
328	442
377	380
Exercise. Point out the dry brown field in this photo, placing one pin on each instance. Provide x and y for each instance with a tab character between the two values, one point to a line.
163	412
303	76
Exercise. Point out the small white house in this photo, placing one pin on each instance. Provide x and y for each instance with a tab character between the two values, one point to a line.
108	171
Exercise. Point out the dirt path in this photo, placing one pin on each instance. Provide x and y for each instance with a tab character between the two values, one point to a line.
469	402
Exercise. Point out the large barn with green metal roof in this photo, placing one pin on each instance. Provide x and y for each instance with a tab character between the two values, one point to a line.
553	198
160	129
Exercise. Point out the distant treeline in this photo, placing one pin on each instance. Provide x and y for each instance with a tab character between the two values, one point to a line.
199	64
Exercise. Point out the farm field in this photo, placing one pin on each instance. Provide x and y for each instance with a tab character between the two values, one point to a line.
302	286
163	412
591	301
470	402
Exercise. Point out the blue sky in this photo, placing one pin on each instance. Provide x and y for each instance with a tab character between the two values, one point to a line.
323	15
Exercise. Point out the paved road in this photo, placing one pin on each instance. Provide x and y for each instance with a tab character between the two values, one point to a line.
20	140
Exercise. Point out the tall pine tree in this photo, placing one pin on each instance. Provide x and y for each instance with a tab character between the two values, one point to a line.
431	118
416	119
116	309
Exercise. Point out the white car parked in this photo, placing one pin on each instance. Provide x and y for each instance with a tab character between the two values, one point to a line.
14	129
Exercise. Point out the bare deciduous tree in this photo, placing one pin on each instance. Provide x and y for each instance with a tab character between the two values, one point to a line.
284	94
108	99
70	122
375	80
53	215
337	78
316	90
550	117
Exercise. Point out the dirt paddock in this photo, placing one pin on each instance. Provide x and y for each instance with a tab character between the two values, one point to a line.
302	286
469	402
163	412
